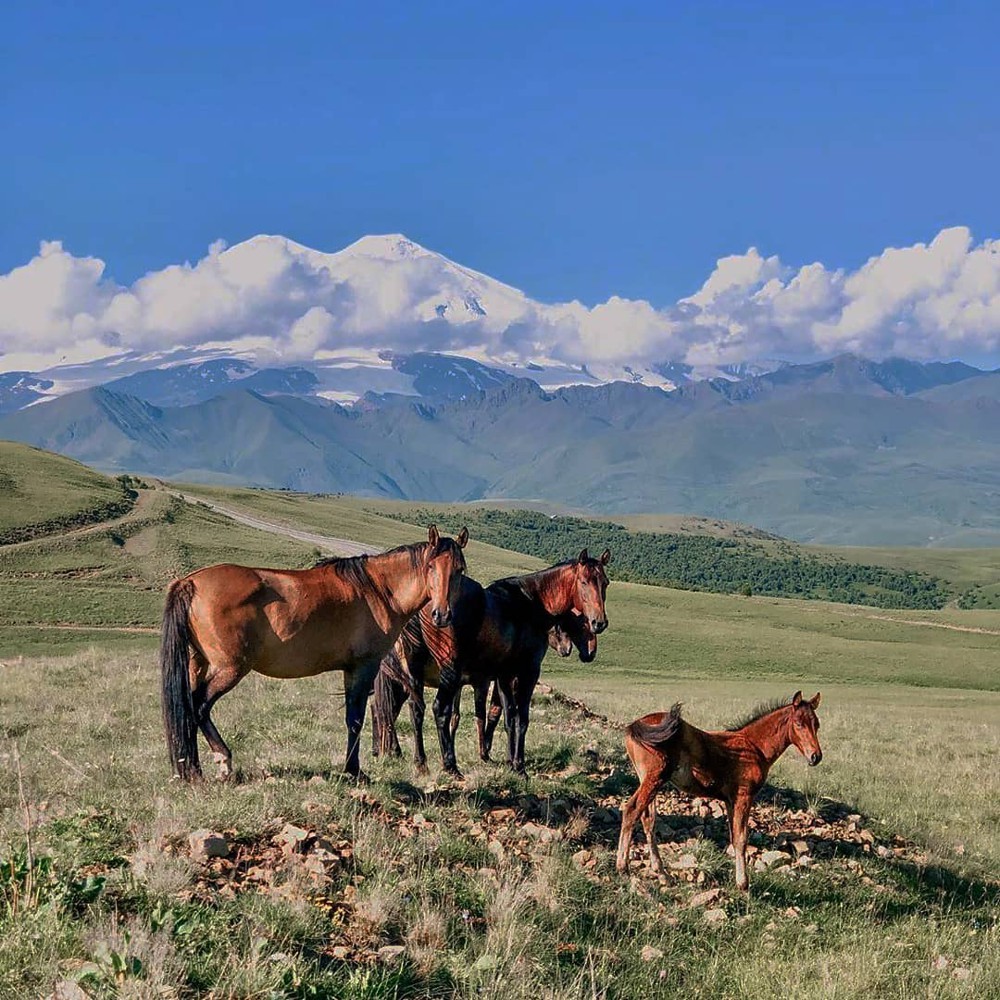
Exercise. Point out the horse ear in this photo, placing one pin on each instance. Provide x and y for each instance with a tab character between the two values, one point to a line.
433	536
583	557
463	538
814	700
797	699
605	557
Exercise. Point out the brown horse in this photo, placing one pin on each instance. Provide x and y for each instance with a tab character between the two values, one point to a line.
221	622
730	766
500	633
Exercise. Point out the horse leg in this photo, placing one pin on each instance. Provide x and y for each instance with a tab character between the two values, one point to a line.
417	718
495	711
739	818
649	826
525	689
510	718
357	684
480	691
631	811
443	705
456	712
212	684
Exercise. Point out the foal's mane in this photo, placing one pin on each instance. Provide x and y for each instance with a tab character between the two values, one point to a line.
758	712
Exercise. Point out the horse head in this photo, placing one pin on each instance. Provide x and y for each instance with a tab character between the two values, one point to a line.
804	726
444	564
591	586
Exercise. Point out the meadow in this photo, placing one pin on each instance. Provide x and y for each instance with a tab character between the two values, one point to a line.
495	887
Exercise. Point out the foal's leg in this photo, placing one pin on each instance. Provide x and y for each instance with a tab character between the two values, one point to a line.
213	683
456	712
739	818
649	826
631	811
442	708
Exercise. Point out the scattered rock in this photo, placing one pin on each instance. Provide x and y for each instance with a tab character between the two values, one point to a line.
771	859
685	862
293	839
940	963
208	844
391	953
583	858
800	846
650	954
340	952
66	989
705	898
716	916
962	974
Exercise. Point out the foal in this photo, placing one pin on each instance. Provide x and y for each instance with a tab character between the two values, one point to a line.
731	766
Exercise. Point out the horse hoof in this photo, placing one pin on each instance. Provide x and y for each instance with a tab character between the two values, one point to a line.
455	773
422	770
622	867
359	778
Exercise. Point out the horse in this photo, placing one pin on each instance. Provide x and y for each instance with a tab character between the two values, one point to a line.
221	622
500	633
730	765
403	673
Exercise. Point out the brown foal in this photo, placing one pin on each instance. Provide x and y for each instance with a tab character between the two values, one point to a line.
731	766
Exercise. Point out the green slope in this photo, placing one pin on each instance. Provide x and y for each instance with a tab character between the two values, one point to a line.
41	493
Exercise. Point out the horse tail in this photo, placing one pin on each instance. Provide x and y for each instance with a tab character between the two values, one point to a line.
655	736
178	705
395	665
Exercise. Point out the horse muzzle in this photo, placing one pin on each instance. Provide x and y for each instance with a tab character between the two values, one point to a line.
815	758
441	618
598	625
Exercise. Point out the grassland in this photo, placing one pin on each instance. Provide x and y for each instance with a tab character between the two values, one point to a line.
480	903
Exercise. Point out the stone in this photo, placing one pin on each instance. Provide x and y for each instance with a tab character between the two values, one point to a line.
581	858
716	916
650	954
66	989
705	898
801	847
391	953
770	859
293	839
208	844
340	952
685	862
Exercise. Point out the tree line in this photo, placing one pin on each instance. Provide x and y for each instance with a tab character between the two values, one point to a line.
699	562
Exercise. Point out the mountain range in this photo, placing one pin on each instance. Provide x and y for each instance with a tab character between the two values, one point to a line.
845	450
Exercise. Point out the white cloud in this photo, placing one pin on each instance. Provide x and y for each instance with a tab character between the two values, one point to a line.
940	299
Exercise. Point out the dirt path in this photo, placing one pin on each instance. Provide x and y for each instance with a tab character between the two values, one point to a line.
140	504
920	621
335	546
131	629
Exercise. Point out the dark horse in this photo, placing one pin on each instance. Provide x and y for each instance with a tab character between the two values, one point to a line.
499	633
221	622
730	765
405	671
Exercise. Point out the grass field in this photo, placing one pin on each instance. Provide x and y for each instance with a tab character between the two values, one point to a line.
495	887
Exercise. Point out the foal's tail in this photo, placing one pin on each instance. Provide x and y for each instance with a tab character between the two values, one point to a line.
178	706
655	735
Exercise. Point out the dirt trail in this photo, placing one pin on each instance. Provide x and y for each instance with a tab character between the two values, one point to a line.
139	506
335	546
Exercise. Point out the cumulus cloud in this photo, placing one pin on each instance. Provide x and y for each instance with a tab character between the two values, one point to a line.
272	296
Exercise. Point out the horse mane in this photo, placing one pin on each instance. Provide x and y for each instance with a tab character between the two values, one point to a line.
758	712
354	569
511	592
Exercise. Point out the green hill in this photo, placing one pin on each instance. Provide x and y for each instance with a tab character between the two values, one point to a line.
42	493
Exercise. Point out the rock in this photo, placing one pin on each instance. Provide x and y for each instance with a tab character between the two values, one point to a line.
66	989
293	839
582	858
208	844
317	779
650	954
962	974
705	898
340	953
800	846
496	849
716	916
391	953
940	963
685	862
420	821
771	859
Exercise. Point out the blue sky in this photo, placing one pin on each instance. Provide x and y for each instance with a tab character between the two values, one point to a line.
574	150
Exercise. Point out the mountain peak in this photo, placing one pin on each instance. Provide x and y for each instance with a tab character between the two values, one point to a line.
388	246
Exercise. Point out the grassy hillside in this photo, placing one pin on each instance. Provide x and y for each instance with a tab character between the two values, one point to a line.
496	887
42	493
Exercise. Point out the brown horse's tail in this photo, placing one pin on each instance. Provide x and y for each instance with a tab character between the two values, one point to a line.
178	706
655	736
